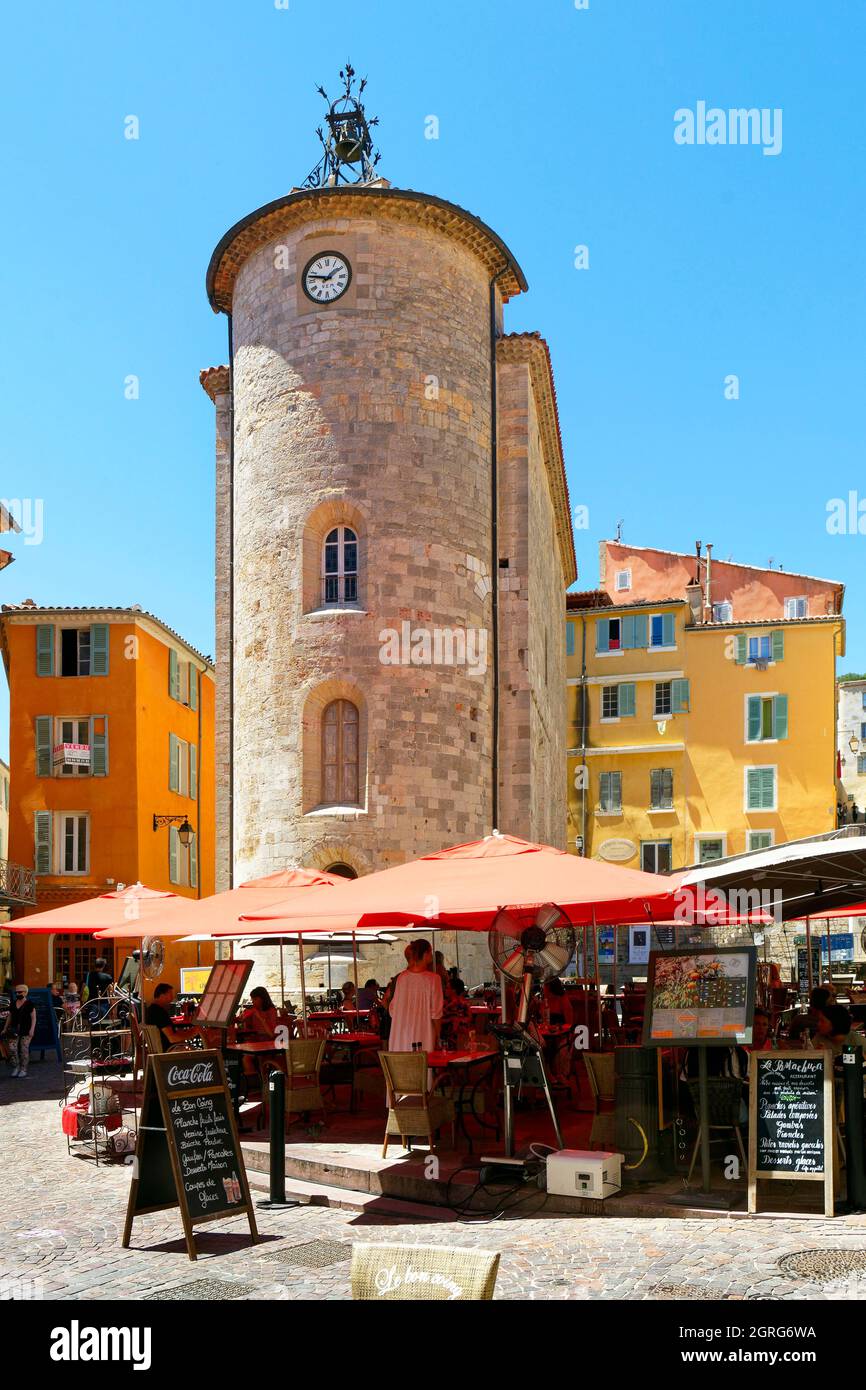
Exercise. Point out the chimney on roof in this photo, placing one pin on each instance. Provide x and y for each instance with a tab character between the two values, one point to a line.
695	599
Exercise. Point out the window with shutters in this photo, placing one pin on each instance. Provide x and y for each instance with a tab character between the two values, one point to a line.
182	768
761	788
766	718
340	567
73	848
83	651
709	848
759	839
182	860
861	765
71	746
623	580
569	639
663	703
608	635
661	630
796	608
723	613
655	856
661	789
340	782
610	793
183	680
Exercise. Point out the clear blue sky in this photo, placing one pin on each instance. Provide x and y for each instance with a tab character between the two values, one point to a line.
556	127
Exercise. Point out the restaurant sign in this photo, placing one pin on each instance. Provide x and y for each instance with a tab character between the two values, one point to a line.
617	850
71	755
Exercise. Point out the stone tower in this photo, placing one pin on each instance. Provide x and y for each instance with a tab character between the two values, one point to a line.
393	539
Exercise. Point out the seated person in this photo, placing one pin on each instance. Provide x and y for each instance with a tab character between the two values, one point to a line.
834	1030
348	999
798	1037
457	1015
820	998
369	995
259	1020
158	1013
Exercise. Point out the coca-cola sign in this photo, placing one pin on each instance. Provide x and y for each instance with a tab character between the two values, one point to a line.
192	1074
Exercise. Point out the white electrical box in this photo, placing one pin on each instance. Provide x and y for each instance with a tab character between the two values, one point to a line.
584	1173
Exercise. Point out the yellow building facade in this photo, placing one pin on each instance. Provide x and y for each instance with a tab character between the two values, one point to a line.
692	740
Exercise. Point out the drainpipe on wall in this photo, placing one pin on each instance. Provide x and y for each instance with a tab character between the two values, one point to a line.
709	603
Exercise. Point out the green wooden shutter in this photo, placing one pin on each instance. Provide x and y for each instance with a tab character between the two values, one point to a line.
99	649
193	862
193	771
753	789
667	629
680	697
754	718
44	650
99	748
173	847
780	716
627	699
42	840
569	641
193	684
173	675
173	763
43	745
778	645
742	651
768	786
602	635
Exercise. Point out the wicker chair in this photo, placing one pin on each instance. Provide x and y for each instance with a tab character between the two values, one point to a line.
303	1065
600	1070
412	1110
423	1273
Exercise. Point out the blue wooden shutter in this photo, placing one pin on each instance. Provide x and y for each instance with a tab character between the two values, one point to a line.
768	786
780	716
641	627
667	629
627	699
753	789
778	645
44	650
569	639
740	640
99	747
173	763
193	862
173	847
193	684
43	745
754	718
99	649
42	840
193	771
680	697
628	630
602	635
173	675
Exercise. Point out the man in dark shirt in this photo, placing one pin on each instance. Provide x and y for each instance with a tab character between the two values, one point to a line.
97	985
158	1013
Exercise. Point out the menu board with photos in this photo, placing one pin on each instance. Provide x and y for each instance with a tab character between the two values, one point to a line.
188	1151
791	1120
700	997
222	993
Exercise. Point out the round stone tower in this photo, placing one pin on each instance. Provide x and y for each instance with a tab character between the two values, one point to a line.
356	540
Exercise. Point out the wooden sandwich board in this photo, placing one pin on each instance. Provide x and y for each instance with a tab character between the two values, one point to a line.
188	1154
792	1122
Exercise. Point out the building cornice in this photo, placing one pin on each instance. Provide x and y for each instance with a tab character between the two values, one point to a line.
27	615
217	381
531	350
395	204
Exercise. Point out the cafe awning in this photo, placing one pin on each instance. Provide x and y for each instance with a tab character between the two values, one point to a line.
804	878
464	887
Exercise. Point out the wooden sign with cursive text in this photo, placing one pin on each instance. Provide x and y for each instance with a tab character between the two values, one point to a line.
188	1153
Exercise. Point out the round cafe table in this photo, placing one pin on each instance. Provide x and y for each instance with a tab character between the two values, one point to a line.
458	1064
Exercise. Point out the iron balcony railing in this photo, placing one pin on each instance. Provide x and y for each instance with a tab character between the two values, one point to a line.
17	883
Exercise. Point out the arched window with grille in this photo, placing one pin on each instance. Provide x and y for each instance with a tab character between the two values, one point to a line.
340	754
340	567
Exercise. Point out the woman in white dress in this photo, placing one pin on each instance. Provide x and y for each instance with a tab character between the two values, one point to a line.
416	1004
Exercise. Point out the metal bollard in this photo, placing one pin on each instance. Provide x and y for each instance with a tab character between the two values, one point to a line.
855	1168
277	1106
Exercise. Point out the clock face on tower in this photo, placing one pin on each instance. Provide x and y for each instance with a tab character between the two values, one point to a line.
326	277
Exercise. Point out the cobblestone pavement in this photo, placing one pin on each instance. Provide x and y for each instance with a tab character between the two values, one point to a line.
63	1220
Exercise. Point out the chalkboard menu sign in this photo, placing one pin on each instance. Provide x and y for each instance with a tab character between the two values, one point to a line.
46	1036
791	1122
188	1152
803	968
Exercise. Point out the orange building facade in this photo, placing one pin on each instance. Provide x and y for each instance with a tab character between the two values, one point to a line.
111	725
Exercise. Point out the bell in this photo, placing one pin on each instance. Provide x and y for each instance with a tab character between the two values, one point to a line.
347	146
